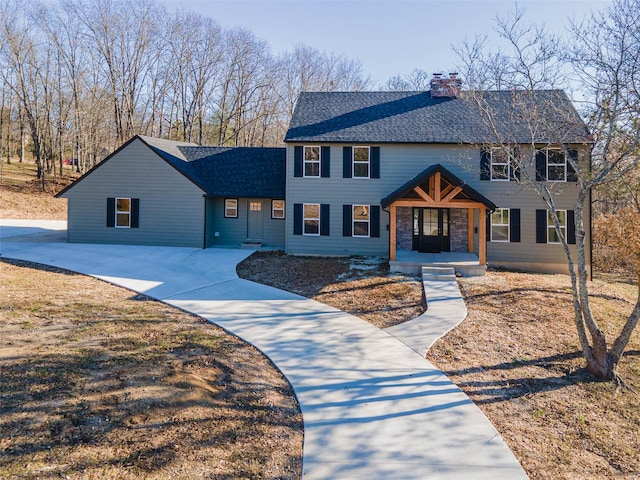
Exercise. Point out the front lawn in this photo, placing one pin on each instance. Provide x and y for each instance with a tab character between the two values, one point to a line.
516	355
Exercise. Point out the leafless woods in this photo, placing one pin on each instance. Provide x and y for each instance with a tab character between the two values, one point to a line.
79	77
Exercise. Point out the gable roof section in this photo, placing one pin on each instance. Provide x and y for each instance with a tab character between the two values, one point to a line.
218	171
239	171
423	177
416	117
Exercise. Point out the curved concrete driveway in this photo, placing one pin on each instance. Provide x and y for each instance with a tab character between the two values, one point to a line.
372	407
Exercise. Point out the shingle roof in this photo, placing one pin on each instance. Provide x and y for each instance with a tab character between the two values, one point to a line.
225	171
415	117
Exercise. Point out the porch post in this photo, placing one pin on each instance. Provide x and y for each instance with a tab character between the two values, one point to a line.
392	233
470	229
482	236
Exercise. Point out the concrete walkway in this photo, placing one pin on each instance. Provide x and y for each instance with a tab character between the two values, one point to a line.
445	310
372	407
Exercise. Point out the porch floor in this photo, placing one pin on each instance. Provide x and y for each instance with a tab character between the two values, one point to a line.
412	261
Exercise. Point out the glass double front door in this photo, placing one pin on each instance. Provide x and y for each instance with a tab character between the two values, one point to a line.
431	230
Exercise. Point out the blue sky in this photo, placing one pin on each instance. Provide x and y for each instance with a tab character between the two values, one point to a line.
388	37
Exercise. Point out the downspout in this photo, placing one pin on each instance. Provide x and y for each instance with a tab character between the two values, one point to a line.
388	230
204	230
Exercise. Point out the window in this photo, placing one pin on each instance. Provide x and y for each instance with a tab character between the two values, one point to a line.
500	225
277	208
500	165
361	220
311	219
361	162
231	208
311	161
123	212
552	234
556	166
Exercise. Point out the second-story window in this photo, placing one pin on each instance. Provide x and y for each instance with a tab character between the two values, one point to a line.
556	166
500	165
361	156
311	161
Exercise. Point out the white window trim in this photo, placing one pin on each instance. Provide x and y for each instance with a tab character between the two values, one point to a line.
547	150
508	225
305	161
121	212
305	218
552	225
237	207
353	161
274	209
507	163
353	221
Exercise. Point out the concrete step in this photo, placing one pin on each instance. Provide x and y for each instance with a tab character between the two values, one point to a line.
438	274
251	245
439	278
429	270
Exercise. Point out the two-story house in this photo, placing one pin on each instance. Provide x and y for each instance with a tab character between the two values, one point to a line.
364	173
385	173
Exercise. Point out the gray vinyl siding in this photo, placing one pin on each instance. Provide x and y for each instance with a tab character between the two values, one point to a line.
223	231
399	163
171	207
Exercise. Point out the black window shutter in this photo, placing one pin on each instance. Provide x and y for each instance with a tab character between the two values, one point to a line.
135	212
325	162
347	212
375	162
346	162
541	166
374	216
297	219
324	219
297	161
515	164
485	165
541	226
514	224
111	212
571	172
571	227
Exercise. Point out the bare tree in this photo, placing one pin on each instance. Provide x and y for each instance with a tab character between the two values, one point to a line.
122	34
195	47
416	81
306	69
27	71
604	53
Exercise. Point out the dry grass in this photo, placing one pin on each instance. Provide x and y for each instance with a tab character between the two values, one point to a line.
64	413
98	383
359	286
23	196
516	355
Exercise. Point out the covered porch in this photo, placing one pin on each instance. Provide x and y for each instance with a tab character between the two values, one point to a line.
412	261
433	222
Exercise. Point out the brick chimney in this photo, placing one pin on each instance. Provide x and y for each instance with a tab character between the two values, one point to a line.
445	87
